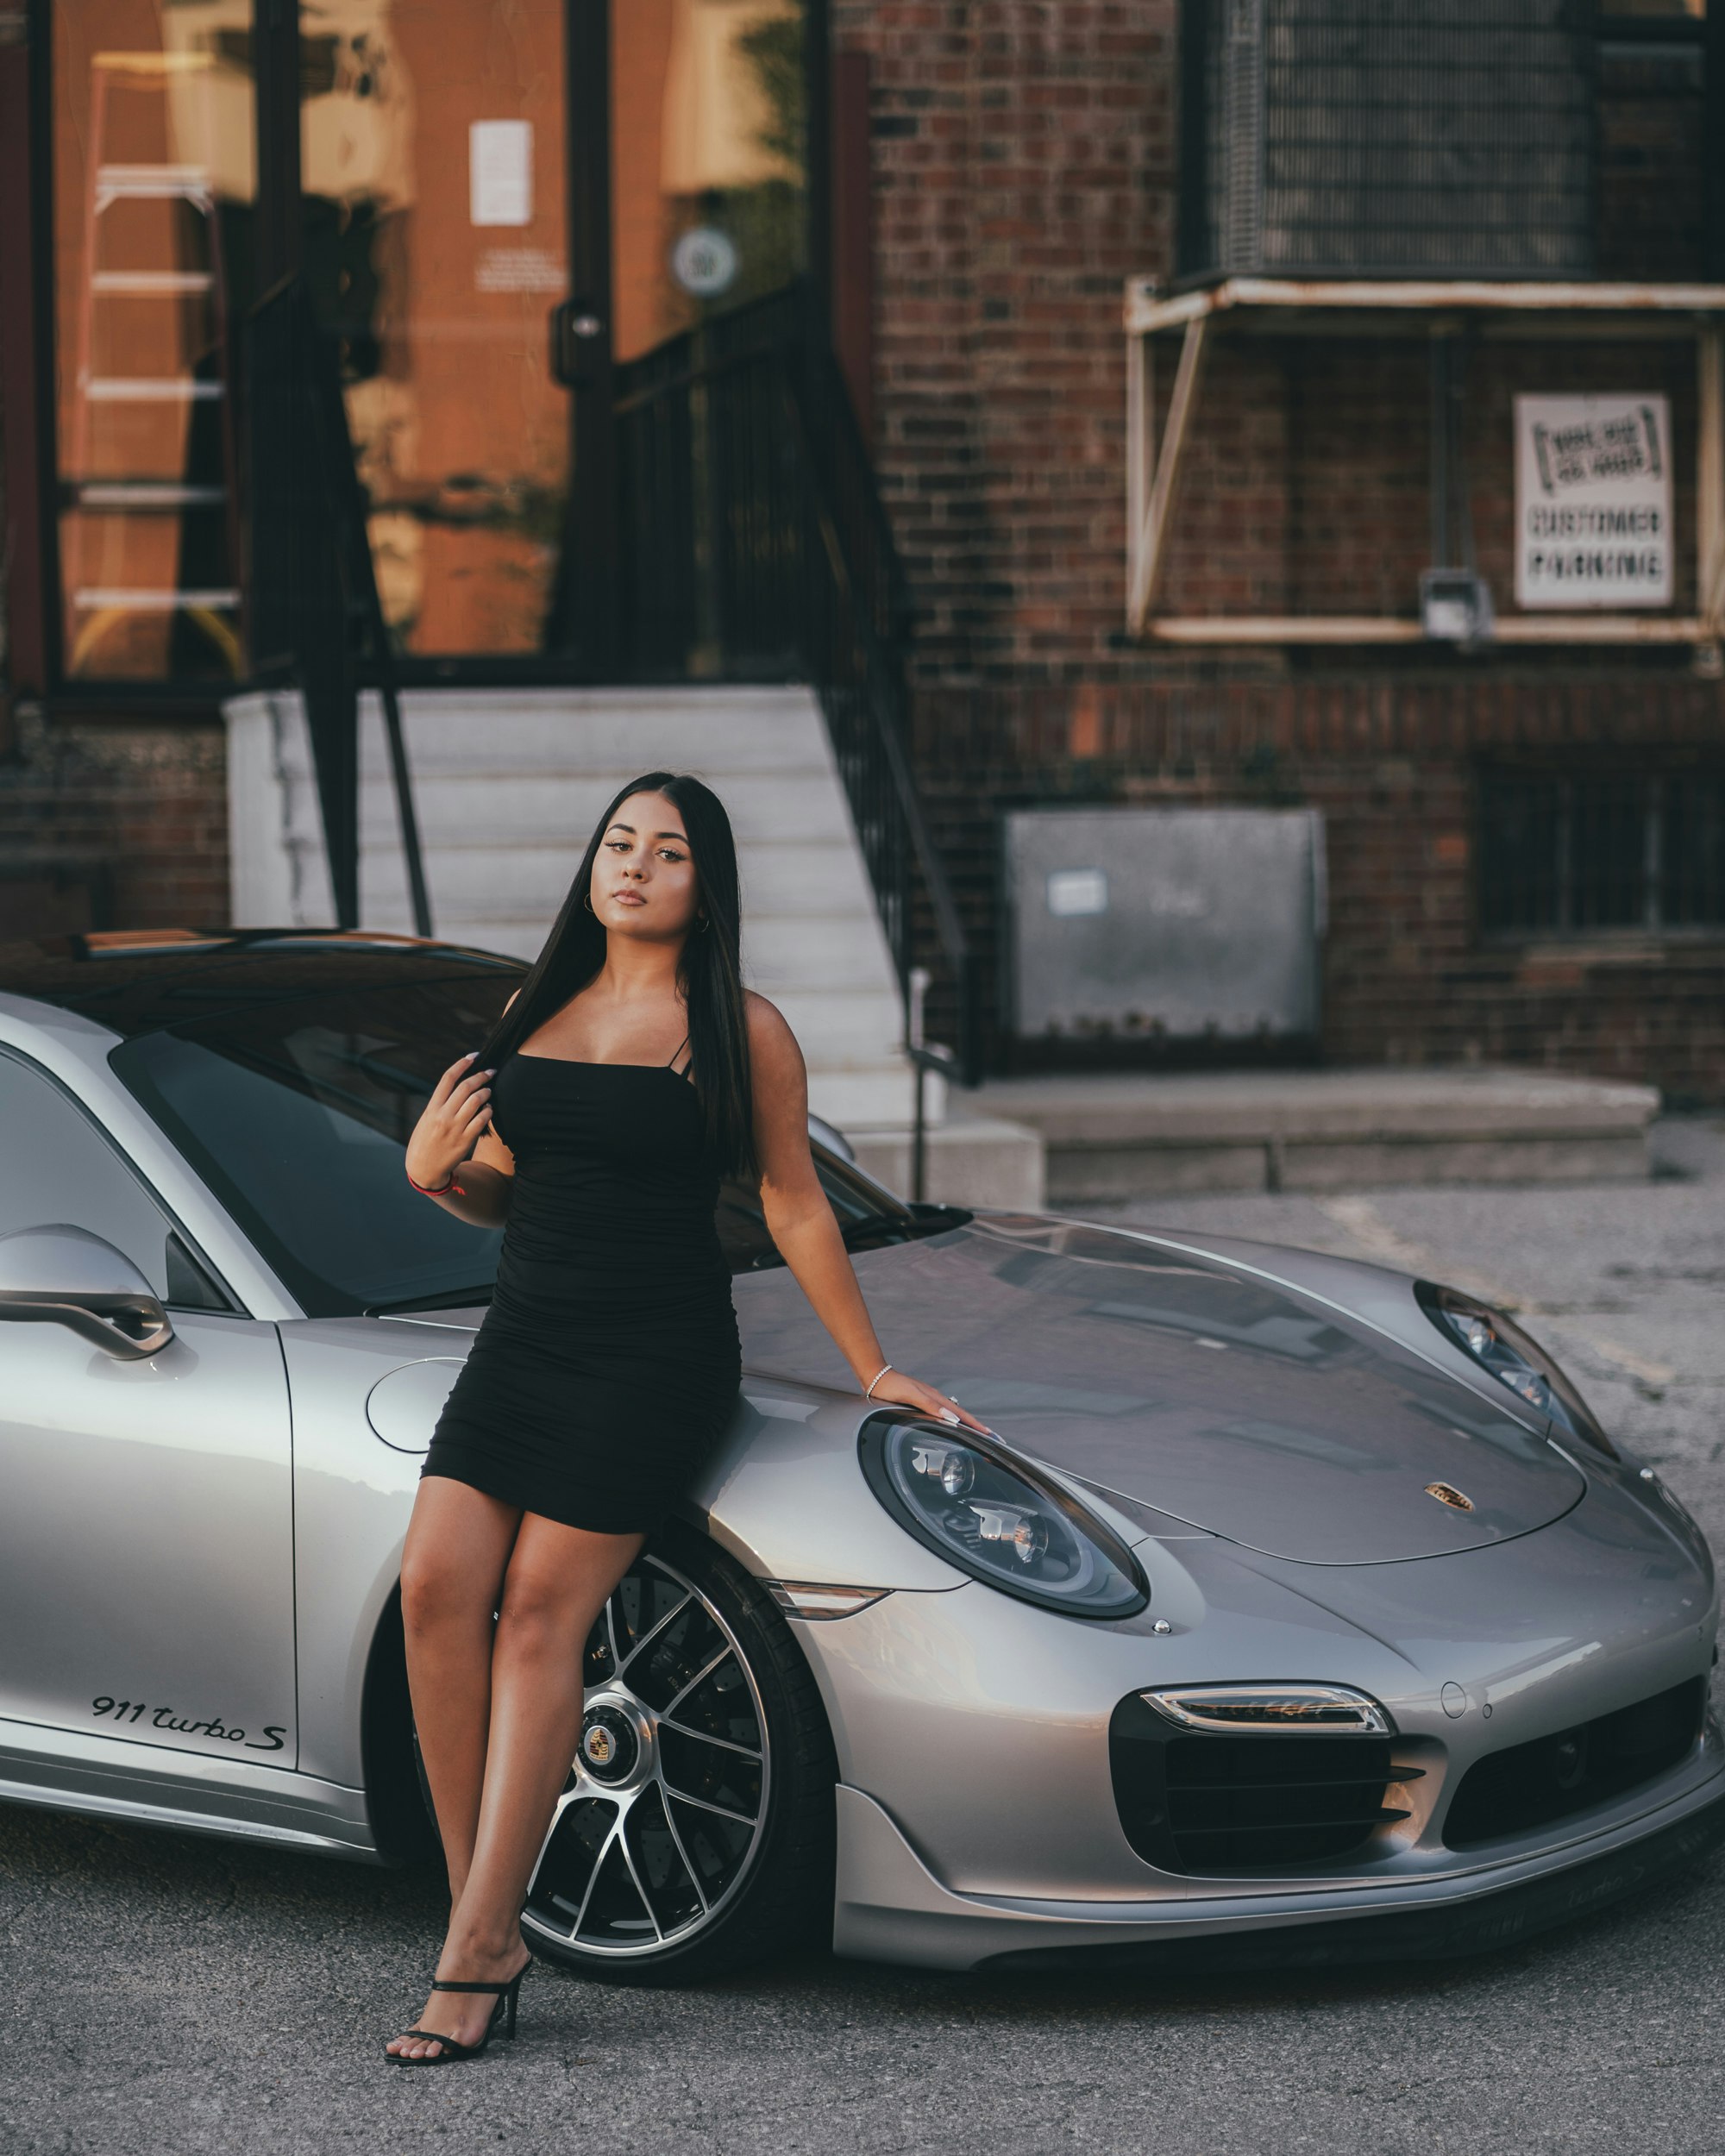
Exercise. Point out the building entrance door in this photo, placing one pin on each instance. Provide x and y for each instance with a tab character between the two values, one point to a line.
505	209
452	183
523	224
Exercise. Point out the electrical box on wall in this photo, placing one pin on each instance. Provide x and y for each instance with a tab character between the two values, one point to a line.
1164	924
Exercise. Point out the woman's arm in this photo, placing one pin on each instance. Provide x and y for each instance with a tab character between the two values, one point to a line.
454	1156
801	1223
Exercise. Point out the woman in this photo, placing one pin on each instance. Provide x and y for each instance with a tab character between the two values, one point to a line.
629	1072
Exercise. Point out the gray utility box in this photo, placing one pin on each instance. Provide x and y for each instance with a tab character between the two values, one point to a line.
1175	923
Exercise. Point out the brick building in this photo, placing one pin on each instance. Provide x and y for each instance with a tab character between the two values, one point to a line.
1526	839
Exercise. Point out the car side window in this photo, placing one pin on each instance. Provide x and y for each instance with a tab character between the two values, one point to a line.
60	1170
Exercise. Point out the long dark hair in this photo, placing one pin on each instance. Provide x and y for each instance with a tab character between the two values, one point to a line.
710	972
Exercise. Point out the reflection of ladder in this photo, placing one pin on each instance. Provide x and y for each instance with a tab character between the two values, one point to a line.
98	601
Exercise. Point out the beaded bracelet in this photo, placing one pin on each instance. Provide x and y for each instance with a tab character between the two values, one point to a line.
876	1380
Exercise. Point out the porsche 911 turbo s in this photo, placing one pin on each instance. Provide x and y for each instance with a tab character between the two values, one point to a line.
1295	1610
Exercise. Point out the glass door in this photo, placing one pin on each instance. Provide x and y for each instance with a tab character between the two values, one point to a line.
709	163
438	237
154	190
708	209
547	240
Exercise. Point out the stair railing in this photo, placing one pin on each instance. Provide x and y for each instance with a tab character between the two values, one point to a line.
315	619
754	544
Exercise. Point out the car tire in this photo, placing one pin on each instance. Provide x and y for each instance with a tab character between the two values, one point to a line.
695	1833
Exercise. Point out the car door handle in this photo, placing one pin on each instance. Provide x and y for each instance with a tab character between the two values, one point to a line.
130	1327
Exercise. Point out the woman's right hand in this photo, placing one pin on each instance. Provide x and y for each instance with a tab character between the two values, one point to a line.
455	1116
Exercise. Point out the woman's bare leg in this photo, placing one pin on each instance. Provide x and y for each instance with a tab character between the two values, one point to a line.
558	1579
452	1570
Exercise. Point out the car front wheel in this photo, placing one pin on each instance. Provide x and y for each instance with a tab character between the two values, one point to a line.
695	1834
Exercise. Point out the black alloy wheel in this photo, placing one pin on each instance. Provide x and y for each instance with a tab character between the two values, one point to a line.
695	1834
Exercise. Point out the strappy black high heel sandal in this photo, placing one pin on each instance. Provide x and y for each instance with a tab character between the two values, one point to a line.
454	2049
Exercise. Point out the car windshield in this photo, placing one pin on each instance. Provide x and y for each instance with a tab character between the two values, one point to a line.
296	1115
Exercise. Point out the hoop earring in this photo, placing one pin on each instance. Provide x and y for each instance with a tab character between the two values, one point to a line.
587	901
703	925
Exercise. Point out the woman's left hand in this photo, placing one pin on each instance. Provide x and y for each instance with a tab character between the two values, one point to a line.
897	1390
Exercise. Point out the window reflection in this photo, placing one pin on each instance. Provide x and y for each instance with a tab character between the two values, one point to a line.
154	181
436	219
1254	1319
708	160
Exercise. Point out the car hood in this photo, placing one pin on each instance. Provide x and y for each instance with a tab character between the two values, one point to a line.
1235	1404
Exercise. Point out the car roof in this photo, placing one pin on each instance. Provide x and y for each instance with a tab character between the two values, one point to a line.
143	981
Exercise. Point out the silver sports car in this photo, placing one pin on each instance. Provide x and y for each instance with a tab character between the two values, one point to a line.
1298	1610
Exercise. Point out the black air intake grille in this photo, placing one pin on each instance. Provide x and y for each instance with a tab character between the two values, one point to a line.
1529	1785
1246	1803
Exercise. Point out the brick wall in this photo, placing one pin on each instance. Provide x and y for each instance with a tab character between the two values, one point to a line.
1393	765
1024	159
1024	164
112	823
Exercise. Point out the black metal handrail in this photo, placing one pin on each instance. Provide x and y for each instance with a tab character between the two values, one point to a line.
314	616
754	545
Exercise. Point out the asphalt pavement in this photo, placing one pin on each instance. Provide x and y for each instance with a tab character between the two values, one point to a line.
174	1994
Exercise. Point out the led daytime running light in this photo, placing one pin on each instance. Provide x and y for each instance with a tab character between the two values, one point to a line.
1298	1710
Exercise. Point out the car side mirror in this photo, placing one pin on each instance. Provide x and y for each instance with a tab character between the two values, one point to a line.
66	1275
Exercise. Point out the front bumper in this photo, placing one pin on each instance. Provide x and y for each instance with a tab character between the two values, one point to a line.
889	1907
978	1820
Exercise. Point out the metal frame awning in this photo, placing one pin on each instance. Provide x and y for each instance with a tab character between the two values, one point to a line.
1338	307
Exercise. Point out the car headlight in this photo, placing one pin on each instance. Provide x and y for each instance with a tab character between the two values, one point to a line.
1514	1360
997	1519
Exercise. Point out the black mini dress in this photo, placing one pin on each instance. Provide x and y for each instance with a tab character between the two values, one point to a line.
608	1363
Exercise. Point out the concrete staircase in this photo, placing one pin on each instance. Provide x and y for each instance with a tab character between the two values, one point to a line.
1124	1134
508	785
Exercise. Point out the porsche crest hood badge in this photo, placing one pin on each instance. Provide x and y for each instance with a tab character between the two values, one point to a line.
1447	1493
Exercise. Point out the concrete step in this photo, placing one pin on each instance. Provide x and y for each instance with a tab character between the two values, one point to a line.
797	964
503	885
487	882
969	1160
609	734
860	1098
508	808
507	788
1123	1135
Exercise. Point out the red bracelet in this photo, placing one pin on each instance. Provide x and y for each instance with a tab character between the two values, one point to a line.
443	1190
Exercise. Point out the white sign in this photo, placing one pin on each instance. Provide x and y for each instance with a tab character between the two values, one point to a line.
519	269
703	261
1593	501
500	171
1077	890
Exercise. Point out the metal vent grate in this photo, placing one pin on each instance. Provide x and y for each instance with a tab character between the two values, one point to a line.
1531	1784
1258	1804
1390	137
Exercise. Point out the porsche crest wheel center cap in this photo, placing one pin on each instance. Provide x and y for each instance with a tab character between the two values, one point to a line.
610	1746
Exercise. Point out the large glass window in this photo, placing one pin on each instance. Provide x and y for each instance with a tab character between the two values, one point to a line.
61	1172
154	181
436	241
709	161
296	1115
453	194
1604	849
